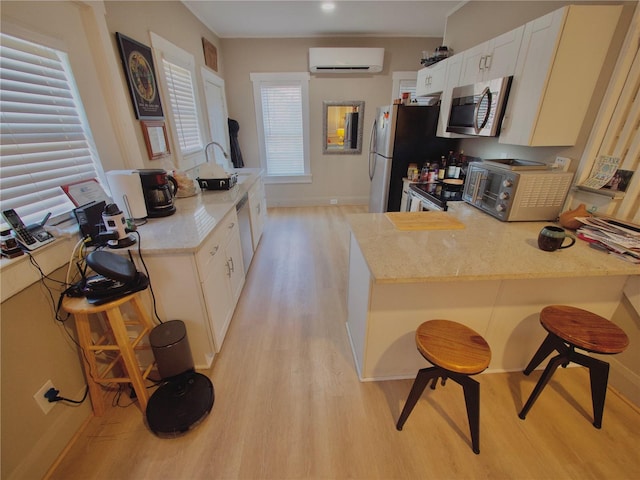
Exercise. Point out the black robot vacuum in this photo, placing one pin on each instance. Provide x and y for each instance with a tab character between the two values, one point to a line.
185	397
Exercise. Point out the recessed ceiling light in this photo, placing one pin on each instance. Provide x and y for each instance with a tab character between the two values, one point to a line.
328	6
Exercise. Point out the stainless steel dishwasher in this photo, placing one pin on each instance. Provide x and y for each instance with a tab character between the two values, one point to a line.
244	225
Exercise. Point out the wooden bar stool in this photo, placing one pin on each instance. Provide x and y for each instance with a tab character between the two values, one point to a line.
457	352
570	328
114	339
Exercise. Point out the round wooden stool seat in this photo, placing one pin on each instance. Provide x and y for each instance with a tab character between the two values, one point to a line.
453	346
584	329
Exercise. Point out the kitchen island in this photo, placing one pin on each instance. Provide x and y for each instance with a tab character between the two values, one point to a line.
489	275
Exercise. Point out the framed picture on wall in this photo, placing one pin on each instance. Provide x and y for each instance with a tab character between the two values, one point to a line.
137	63
155	138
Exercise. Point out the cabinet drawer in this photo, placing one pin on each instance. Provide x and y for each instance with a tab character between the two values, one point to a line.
214	245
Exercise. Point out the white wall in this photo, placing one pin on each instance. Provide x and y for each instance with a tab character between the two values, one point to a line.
341	177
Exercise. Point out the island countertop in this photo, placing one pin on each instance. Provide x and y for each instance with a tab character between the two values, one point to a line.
485	249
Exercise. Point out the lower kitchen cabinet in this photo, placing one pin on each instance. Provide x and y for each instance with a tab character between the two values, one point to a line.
201	288
258	211
221	274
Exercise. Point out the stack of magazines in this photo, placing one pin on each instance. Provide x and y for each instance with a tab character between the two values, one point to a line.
616	237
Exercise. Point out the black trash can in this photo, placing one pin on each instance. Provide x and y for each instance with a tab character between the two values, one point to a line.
171	350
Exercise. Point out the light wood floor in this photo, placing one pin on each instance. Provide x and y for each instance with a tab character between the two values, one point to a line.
289	404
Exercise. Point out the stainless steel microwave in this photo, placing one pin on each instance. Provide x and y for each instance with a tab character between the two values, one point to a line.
516	191
478	109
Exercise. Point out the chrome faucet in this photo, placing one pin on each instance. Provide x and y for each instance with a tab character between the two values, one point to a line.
206	150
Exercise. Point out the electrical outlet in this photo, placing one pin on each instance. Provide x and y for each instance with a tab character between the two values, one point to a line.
41	400
333	201
562	163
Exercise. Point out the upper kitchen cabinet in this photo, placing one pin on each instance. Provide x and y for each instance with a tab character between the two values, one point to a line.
558	65
494	58
431	80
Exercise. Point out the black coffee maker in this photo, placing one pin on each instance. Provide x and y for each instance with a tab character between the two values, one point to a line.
159	189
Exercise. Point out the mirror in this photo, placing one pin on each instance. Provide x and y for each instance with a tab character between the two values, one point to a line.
342	127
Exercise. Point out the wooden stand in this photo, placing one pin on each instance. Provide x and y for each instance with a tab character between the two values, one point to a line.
114	339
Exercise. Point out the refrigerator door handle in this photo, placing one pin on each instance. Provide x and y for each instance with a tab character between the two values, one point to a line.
372	153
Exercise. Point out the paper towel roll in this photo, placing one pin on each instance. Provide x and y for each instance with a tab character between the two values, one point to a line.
126	192
416	205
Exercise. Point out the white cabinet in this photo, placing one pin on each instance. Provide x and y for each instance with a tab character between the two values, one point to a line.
221	273
558	66
200	288
258	211
492	59
431	80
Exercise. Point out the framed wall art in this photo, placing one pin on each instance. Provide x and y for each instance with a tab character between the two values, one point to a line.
155	138
137	63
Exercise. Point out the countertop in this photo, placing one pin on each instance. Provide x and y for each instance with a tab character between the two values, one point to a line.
195	218
486	249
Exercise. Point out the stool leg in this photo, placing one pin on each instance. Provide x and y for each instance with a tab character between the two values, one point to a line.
472	401
553	364
130	360
89	361
598	377
550	343
422	379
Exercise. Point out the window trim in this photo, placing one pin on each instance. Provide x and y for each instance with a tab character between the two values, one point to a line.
286	77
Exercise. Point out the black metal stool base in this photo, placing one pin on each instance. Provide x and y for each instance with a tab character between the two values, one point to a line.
471	397
598	373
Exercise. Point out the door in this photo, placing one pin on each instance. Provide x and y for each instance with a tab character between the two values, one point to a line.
217	116
379	194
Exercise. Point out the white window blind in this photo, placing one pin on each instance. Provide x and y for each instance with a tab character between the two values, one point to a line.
282	112
45	141
283	132
183	105
410	86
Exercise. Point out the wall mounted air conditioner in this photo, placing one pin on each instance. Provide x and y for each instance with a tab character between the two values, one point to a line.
346	60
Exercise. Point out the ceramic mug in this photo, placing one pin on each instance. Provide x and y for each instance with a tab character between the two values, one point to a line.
552	238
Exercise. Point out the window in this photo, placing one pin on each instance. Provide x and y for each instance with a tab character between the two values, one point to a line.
406	82
282	114
183	105
178	79
45	141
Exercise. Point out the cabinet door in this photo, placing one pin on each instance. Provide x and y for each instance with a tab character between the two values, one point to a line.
217	296
471	69
431	80
492	59
256	209
502	55
233	252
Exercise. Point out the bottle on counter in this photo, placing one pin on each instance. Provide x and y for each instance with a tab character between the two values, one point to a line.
451	166
424	173
432	176
443	168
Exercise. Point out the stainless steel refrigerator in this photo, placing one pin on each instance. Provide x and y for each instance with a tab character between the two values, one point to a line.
401	135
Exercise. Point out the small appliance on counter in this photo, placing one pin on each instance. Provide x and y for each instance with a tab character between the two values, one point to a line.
126	191
213	177
159	189
516	190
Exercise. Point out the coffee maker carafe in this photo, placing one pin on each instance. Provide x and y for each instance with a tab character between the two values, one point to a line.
158	188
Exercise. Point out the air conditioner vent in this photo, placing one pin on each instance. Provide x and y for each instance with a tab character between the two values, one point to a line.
346	60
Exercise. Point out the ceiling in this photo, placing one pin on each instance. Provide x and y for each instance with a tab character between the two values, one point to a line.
305	18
